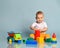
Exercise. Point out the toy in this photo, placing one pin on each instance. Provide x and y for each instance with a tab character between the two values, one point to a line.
37	34
53	35
14	37
24	41
32	36
33	42
48	40
54	40
47	35
19	41
10	41
8	38
17	36
40	37
11	34
30	39
40	40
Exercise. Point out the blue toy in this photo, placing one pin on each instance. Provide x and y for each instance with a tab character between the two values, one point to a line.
19	41
53	42
14	37
33	42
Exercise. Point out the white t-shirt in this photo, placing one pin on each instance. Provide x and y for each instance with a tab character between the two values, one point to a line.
39	25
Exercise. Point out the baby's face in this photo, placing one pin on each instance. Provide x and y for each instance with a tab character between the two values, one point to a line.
40	18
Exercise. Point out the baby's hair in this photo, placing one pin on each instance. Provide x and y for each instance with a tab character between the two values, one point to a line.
39	12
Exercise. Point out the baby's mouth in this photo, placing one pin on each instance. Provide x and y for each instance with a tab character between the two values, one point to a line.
40	21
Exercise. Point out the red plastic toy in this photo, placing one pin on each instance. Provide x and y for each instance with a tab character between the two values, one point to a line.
54	35
37	33
11	34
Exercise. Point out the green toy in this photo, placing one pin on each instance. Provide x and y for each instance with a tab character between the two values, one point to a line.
24	41
48	40
17	36
30	39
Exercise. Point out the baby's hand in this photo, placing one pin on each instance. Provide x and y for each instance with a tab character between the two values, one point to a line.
43	30
36	29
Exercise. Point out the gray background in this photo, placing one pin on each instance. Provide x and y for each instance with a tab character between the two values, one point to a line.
18	15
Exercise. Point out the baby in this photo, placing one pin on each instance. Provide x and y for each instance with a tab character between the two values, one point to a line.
39	24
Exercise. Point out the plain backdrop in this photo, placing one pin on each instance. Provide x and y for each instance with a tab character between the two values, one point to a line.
18	15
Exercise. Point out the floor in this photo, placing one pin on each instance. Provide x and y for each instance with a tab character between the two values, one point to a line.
5	44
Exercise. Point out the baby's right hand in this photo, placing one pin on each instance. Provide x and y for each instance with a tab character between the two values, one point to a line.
36	29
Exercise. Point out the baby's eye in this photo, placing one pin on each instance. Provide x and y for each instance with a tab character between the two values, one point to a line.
38	18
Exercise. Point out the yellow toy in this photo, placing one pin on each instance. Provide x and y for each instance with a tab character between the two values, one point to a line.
10	41
17	36
54	39
32	36
40	39
47	35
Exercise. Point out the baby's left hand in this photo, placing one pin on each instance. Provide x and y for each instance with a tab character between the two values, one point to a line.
43	30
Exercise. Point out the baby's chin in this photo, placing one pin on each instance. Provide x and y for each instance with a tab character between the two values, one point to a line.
39	21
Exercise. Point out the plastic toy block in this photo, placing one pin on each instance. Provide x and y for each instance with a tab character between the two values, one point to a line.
8	38
53	42
10	41
37	33
33	42
11	34
14	37
54	39
40	40
24	41
30	39
19	41
54	35
17	36
42	35
32	36
48	40
47	35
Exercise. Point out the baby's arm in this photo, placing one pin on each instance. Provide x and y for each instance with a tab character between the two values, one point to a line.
33	28
44	29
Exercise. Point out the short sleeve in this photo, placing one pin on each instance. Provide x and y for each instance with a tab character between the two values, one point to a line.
33	25
45	24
